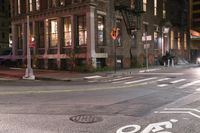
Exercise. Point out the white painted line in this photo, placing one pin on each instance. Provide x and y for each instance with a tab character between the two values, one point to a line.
141	80
162	85
92	77
149	70
121	78
177	81
176	74
198	89
189	84
164	79
185	109
177	112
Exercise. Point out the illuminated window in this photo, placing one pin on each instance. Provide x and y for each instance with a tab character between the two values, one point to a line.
37	4
145	5
155	7
185	41
179	41
53	33
18	6
172	40
30	5
67	32
82	32
101	29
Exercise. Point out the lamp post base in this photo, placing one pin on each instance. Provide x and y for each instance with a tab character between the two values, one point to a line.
29	74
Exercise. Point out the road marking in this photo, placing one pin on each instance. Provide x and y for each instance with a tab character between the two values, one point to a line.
180	111
177	81
189	84
92	77
117	79
141	80
198	89
162	85
164	79
178	74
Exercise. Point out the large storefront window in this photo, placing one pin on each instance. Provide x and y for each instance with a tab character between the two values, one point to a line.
67	32
53	33
101	31
40	34
19	37
82	32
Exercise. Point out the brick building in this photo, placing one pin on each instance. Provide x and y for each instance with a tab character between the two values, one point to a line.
4	24
68	30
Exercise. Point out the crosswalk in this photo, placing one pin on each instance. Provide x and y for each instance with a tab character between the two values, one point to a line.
160	82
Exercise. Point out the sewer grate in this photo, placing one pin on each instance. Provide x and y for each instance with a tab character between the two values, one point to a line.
86	119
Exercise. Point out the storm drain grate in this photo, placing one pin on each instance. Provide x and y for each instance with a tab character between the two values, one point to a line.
86	119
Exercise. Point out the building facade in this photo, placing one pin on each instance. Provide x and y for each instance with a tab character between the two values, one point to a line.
4	24
72	33
195	28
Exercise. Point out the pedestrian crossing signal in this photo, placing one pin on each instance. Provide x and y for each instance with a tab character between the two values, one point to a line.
115	33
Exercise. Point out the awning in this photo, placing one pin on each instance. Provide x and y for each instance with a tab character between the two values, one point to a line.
194	34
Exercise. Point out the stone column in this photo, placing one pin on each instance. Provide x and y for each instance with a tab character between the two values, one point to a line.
90	19
46	43
60	34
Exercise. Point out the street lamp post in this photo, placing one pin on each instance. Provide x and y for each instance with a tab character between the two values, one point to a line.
29	71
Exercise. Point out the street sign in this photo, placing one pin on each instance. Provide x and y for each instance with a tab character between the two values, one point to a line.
146	38
114	33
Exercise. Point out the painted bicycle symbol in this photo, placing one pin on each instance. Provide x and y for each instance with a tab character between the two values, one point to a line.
151	128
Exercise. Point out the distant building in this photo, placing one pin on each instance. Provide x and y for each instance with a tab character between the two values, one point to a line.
80	31
195	28
4	24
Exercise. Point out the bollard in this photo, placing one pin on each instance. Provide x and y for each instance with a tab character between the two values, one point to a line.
172	62
168	62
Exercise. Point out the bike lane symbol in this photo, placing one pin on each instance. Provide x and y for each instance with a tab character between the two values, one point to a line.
154	127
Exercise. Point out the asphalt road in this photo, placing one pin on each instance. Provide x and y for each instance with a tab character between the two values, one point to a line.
154	102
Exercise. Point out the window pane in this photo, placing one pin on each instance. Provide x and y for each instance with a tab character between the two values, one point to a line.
53	33
82	32
67	32
101	30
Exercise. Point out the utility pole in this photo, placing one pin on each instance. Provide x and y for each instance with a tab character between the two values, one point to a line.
29	71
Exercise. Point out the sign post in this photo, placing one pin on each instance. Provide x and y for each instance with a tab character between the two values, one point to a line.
114	34
146	38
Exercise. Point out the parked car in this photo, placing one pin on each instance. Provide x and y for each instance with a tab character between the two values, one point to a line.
6	58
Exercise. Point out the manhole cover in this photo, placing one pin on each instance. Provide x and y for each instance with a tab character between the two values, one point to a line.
85	119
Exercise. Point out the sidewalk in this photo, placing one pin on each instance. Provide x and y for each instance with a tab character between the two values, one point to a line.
18	73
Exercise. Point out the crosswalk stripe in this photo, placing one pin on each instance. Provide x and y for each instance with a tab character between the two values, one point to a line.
141	80
177	81
164	79
189	84
121	78
162	85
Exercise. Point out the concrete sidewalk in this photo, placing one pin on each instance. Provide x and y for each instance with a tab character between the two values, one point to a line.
18	73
